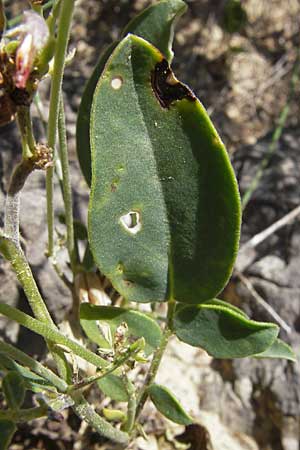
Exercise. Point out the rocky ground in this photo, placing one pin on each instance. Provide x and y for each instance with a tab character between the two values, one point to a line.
244	80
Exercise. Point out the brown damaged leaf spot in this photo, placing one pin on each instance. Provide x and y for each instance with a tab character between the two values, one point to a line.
166	87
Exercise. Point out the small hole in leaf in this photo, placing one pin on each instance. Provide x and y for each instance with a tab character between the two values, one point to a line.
116	83
120	268
131	222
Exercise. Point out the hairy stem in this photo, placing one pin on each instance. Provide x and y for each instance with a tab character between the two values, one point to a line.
86	412
12	201
132	404
157	357
65	18
66	183
33	365
14	254
16	257
50	333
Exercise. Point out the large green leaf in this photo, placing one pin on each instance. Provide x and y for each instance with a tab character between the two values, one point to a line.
155	24
13	387
164	212
7	430
168	405
139	324
222	332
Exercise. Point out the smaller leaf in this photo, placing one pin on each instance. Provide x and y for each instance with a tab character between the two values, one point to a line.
139	324
168	405
33	382
114	387
278	349
114	415
94	333
7	430
222	332
13	387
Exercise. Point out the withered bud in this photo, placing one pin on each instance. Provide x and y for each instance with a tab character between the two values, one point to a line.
33	34
43	157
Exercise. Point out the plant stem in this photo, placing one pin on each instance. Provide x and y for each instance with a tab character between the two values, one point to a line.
132	404
33	365
50	333
86	412
157	357
26	131
108	369
12	201
66	183
65	18
24	415
14	254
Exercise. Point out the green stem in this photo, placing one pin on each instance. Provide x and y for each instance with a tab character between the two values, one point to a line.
86	412
132	404
12	201
109	369
13	253
33	365
157	357
26	131
24	415
50	333
65	18
66	183
16	257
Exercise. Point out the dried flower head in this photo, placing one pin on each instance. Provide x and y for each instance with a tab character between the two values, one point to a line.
33	34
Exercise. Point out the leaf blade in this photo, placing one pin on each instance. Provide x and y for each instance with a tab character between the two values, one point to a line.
222	332
7	431
177	251
278	349
155	24
14	389
168	405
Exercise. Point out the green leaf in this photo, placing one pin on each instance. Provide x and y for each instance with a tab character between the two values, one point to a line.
83	118
139	324
13	387
163	193
114	387
222	332
278	349
154	24
7	431
33	382
168	405
94	333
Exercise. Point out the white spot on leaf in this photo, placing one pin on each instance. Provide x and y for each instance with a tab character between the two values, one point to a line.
131	222
116	83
